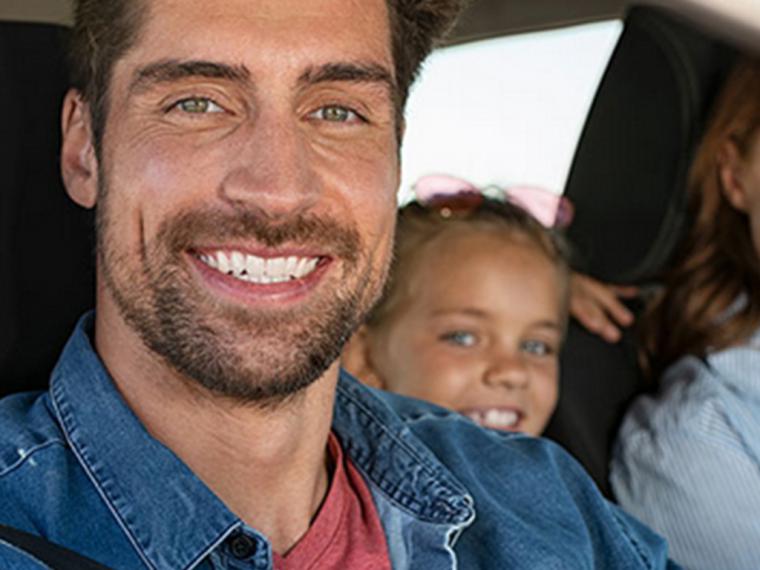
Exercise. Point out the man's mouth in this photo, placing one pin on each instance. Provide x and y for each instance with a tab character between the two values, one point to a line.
496	418
259	270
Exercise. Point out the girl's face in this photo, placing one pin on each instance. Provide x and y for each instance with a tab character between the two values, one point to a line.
478	332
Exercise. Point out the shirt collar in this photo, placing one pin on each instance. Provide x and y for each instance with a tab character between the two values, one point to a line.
169	515
379	441
172	519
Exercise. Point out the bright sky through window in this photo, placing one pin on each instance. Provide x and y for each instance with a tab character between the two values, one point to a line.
506	111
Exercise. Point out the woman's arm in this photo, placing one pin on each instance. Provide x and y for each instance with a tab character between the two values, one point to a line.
695	483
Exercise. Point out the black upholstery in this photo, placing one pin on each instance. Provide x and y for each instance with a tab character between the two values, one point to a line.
46	277
627	183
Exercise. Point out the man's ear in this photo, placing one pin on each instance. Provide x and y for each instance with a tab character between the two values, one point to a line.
79	164
356	358
731	169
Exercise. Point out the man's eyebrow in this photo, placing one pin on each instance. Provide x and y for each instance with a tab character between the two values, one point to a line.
167	71
349	71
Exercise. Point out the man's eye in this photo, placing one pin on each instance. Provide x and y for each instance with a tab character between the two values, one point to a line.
336	114
537	348
198	105
460	338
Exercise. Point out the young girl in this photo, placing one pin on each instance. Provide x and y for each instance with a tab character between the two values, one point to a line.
688	460
474	313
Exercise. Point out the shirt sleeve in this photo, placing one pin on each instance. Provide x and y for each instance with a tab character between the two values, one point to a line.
694	482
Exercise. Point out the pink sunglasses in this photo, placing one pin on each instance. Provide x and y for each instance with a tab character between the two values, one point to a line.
452	196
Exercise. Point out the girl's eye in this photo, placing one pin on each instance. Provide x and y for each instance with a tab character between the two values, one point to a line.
537	348
198	105
460	338
336	114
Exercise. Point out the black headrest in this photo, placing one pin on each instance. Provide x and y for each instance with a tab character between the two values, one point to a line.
46	277
628	176
628	185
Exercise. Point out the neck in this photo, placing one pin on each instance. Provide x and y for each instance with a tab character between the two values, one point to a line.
234	448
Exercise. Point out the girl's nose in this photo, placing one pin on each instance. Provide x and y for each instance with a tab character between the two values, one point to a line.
508	370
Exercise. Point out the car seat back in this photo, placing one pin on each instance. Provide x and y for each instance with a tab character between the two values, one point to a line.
627	183
46	275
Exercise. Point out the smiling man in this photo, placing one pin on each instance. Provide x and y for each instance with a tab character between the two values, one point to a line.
242	157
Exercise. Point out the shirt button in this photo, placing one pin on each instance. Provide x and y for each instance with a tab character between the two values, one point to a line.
242	546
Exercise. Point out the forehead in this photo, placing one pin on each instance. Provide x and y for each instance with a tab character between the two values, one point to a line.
486	267
276	32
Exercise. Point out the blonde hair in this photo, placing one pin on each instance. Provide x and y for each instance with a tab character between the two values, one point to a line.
718	261
418	225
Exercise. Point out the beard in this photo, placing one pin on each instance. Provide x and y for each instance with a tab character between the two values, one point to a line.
260	357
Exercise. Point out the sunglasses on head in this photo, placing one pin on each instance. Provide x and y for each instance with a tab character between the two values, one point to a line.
451	196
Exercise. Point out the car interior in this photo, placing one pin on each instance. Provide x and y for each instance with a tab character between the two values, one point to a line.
626	182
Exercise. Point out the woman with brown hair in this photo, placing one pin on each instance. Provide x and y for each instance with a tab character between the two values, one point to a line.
687	460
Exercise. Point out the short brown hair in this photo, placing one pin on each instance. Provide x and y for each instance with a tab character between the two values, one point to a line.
418	225
104	30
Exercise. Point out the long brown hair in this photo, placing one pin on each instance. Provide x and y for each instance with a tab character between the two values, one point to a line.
718	263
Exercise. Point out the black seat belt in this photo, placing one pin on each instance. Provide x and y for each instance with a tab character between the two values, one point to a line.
54	556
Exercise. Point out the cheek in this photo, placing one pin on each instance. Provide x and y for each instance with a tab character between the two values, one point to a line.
545	388
754	222
432	376
158	178
366	188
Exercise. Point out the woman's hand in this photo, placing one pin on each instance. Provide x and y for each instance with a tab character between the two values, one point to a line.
597	305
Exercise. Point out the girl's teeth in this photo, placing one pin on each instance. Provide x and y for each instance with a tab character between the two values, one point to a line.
495	418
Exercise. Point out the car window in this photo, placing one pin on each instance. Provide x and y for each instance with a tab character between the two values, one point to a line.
508	110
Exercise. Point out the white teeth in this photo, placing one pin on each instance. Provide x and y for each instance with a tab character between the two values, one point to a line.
238	263
260	270
495	418
311	265
300	268
290	265
501	418
276	267
254	265
223	263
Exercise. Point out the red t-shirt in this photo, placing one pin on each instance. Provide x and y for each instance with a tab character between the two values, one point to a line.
347	532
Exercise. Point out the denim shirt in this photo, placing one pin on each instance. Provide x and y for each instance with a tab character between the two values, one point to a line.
77	467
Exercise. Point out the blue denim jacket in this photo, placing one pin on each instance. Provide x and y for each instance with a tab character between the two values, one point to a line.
77	467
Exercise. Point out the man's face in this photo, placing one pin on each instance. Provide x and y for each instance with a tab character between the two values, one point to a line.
247	186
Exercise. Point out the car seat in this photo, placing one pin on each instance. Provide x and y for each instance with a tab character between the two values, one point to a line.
46	276
627	183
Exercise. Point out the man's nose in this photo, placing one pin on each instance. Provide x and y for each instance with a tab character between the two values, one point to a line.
507	369
272	171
